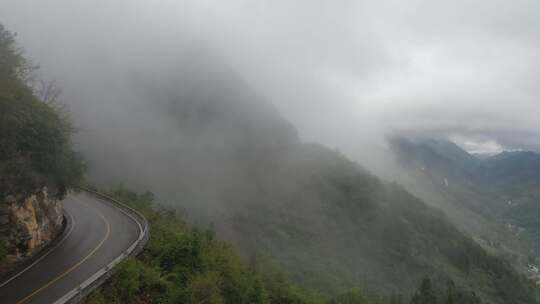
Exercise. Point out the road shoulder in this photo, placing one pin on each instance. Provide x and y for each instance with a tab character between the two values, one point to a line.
22	266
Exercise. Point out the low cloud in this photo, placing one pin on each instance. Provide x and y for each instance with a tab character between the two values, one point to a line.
344	72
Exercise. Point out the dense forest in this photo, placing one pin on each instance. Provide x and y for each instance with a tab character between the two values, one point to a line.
183	264
35	133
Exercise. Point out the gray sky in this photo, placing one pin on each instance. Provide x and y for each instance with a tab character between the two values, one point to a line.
344	72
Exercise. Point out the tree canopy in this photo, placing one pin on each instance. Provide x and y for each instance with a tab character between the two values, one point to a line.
35	136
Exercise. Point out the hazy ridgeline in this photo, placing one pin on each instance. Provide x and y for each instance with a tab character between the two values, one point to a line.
208	145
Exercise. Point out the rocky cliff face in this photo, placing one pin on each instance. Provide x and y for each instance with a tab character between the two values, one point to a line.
29	223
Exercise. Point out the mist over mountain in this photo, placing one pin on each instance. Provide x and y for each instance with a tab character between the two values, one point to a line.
496	187
201	126
267	123
345	73
225	156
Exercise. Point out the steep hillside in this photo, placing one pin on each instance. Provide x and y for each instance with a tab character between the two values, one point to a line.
37	161
515	177
502	189
514	169
446	168
214	148
182	264
35	136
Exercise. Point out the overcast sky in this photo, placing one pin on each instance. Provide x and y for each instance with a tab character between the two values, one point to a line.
344	72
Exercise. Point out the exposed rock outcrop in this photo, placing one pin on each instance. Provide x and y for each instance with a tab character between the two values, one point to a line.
29	223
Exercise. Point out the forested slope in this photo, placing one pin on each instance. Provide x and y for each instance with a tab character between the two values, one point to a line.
35	136
501	190
223	154
37	160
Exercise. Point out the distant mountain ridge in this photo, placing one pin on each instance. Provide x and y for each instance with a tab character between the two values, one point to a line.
497	186
447	158
438	156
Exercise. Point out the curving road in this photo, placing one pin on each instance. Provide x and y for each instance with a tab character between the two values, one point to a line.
98	234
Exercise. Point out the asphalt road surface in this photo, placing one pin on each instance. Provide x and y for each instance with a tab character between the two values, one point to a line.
98	234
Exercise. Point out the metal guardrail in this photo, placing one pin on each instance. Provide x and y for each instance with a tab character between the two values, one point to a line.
98	278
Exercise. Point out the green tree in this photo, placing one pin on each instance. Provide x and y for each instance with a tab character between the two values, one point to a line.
127	279
96	298
396	299
425	294
353	296
206	288
35	137
451	293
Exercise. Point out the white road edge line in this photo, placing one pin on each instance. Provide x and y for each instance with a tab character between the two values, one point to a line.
141	230
46	254
108	201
